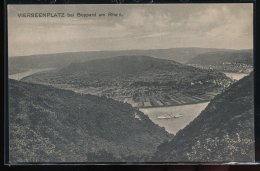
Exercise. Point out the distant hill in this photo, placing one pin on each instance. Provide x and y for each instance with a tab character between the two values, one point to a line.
222	57
49	124
140	80
24	63
223	132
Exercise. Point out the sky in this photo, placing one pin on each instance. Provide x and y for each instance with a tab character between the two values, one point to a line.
142	26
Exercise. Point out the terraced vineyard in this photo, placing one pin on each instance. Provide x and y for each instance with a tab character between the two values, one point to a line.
170	100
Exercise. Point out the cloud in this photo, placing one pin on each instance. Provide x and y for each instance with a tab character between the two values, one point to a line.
141	27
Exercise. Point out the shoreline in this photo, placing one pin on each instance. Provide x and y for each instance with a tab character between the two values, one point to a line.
203	101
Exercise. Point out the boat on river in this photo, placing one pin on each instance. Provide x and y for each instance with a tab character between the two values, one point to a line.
169	116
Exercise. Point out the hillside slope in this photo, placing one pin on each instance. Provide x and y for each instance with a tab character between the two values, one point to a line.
220	57
49	124
139	80
236	61
223	132
24	63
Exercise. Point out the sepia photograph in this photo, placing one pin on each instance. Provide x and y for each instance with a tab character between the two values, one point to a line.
139	83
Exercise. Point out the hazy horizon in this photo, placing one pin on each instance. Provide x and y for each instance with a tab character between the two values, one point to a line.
123	50
142	27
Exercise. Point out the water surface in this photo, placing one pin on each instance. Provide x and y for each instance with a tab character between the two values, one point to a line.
21	75
184	115
235	76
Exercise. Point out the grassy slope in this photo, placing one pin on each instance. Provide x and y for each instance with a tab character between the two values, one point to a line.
223	132
48	124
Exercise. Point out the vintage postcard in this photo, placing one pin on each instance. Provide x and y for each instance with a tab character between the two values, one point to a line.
131	83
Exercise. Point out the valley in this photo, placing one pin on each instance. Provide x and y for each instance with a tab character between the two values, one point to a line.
157	99
161	89
141	81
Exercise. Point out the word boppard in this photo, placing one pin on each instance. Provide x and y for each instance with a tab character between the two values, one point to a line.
86	15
